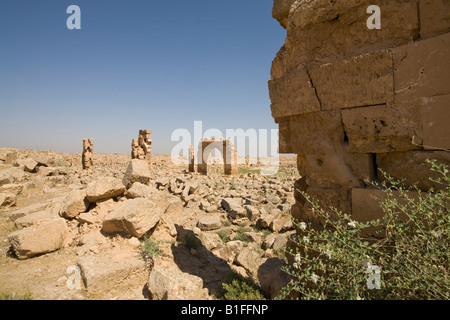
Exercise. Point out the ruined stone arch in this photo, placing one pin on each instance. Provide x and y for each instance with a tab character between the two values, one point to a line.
225	146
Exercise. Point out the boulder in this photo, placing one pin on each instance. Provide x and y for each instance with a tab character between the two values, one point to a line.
249	259
172	284
137	171
74	204
272	278
133	216
140	190
29	165
34	218
110	268
7	199
39	239
103	188
207	223
233	207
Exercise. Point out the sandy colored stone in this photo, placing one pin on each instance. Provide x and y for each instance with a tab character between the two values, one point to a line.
103	188
74	204
110	268
434	17
133	216
360	81
38	239
421	68
292	94
378	129
172	284
137	171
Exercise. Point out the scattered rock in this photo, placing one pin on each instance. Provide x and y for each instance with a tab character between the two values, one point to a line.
209	223
29	165
74	204
133	216
110	268
34	218
39	239
233	207
103	188
172	284
137	171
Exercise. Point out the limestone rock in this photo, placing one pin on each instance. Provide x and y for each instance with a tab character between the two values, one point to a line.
272	278
172	284
29	165
34	218
233	207
134	216
137	171
110	268
74	204
208	223
103	188
249	259
39	239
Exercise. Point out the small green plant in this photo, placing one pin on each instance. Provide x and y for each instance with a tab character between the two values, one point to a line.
14	296
236	287
223	234
240	233
151	248
406	258
227	223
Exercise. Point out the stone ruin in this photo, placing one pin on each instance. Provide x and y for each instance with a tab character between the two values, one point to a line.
225	146
350	100
141	148
88	154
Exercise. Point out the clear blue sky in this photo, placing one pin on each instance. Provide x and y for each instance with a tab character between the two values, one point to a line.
135	64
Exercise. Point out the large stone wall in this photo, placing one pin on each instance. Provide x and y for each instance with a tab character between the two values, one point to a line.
350	100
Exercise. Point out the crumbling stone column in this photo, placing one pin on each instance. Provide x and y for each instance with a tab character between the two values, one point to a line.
191	159
141	148
88	154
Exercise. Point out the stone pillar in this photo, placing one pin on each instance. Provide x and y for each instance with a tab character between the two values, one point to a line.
191	159
141	148
88	153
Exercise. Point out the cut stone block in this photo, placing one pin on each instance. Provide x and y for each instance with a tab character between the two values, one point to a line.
293	94
378	129
436	123
137	171
110	268
360	81
104	188
434	17
421	68
39	239
134	216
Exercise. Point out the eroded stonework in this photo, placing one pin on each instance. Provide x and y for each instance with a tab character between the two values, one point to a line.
141	148
349	100
88	154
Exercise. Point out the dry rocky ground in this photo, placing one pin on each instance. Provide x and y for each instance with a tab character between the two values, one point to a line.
68	233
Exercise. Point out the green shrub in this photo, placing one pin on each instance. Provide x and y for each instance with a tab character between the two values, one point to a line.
407	258
223	234
236	287
151	248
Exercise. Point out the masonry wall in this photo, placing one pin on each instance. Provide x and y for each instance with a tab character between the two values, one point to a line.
350	101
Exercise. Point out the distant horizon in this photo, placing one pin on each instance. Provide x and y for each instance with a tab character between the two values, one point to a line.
133	65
